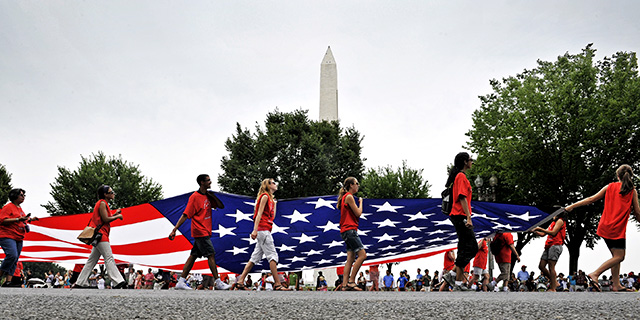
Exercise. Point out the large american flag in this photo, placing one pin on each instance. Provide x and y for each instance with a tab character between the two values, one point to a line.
306	232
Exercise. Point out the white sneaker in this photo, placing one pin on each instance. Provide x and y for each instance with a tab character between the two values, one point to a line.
182	286
221	285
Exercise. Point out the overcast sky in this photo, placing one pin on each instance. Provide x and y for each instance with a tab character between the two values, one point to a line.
163	83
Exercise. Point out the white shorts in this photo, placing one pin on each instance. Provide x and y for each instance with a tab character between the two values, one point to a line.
264	246
479	271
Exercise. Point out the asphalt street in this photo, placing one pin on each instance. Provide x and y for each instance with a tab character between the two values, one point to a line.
170	304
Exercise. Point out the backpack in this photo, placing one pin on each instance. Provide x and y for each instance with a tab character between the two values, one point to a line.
447	199
496	246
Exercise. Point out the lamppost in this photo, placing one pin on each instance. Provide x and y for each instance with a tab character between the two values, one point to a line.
487	194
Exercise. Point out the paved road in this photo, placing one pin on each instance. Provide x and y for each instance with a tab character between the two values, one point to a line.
148	304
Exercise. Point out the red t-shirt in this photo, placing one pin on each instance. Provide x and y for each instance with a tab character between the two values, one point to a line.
613	223
199	211
461	187
480	261
266	220
348	219
558	239
14	230
505	252
19	268
96	220
448	263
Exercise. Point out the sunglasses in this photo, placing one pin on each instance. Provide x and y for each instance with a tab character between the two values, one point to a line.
273	183
111	192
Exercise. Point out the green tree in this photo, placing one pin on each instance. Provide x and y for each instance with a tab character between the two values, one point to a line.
307	157
389	183
39	269
5	185
557	133
76	191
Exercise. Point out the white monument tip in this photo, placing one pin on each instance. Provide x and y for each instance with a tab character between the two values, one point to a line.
328	57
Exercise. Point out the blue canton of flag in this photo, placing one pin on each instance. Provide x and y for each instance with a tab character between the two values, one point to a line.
306	231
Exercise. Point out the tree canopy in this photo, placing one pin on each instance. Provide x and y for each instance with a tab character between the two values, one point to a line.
557	133
76	191
5	185
389	183
307	158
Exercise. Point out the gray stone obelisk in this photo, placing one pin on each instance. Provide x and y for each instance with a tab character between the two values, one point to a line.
328	88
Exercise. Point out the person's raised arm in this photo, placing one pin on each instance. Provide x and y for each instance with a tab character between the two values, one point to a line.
104	214
357	210
588	200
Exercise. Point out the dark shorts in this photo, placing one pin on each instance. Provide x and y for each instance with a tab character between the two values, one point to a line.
616	244
202	247
207	281
352	240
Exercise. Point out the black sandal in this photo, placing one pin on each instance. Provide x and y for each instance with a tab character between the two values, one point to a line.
594	284
353	287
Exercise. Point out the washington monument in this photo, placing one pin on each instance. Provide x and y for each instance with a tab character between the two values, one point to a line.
328	88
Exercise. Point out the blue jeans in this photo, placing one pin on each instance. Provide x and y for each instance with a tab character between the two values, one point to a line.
12	249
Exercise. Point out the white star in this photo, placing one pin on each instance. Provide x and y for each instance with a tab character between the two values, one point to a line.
388	248
297	216
413	228
277	229
333	244
329	226
478	215
284	247
436	232
283	266
410	239
387	207
445	222
253	204
525	216
385	237
323	261
418	215
386	223
390	253
239	215
363	232
323	203
364	215
307	268
305	238
503	226
237	250
483	232
312	252
343	254
415	246
296	259
435	239
222	231
366	246
251	241
370	254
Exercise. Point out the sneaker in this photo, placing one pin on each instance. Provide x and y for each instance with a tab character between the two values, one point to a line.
182	286
221	285
449	279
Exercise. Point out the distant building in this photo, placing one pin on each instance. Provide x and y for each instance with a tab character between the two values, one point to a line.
328	88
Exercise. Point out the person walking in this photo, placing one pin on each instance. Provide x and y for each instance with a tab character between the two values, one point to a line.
101	220
199	210
13	226
460	216
263	215
556	233
620	198
480	264
349	218
503	241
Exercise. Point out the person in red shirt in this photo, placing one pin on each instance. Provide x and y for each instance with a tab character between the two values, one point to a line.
503	257
480	264
449	264
13	226
198	209
263	215
101	220
349	218
620	198
556	233
460	216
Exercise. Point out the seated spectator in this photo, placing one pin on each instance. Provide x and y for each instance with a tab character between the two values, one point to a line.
605	284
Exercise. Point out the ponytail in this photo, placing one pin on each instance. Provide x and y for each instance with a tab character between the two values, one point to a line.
458	164
625	175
